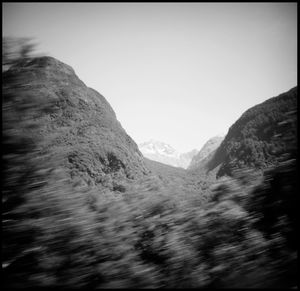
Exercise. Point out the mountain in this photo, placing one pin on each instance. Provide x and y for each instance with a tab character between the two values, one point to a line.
81	130
166	154
263	136
210	146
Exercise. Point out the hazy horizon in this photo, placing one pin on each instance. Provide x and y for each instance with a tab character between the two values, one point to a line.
180	73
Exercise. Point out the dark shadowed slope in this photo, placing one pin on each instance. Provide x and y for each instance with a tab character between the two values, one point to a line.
81	130
260	138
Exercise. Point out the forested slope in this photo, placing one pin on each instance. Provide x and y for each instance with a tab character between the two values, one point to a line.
260	137
80	130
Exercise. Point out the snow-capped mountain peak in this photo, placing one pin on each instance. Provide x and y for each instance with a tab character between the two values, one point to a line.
164	153
158	147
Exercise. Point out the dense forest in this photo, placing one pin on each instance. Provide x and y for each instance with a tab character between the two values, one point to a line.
163	229
261	137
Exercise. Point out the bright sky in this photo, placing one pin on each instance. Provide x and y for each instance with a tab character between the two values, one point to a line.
180	73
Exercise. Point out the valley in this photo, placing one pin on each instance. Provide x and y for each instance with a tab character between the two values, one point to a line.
84	207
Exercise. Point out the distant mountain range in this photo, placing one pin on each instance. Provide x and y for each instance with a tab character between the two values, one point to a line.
166	154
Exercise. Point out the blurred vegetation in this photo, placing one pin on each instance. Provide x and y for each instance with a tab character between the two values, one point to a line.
165	230
15	49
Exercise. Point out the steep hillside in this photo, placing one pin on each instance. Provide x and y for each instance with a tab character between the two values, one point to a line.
81	129
261	137
164	153
210	146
